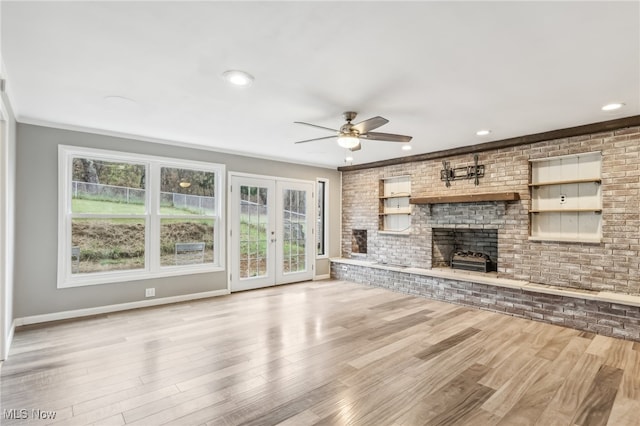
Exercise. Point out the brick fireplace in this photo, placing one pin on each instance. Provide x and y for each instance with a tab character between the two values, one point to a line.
593	286
471	228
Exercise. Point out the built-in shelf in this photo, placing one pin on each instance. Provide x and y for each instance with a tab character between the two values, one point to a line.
566	182
397	195
567	240
403	232
394	210
566	198
470	198
565	211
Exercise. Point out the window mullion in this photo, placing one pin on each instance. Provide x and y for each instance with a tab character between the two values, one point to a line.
153	210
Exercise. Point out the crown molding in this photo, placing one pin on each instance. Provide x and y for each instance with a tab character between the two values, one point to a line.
603	126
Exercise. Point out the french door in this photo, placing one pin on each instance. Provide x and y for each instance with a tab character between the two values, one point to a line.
271	232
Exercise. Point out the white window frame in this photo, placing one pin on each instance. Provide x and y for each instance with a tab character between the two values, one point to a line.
152	216
325	214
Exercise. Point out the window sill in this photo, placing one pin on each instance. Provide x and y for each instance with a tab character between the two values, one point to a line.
113	278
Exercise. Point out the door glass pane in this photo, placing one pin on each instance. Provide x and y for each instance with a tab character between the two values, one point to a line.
186	241
102	245
320	216
294	230
253	231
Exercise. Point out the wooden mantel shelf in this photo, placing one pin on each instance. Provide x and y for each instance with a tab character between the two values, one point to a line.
470	198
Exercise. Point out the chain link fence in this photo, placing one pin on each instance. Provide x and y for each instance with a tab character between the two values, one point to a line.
123	194
252	212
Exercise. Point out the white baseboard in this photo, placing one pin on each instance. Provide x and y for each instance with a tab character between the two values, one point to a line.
78	313
321	277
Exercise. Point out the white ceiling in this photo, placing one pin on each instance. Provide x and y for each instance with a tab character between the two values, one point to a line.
438	71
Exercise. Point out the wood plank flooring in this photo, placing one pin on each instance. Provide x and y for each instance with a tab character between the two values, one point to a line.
317	353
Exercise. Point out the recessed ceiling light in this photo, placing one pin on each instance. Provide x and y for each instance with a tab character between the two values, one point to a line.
612	106
238	78
483	132
406	147
348	159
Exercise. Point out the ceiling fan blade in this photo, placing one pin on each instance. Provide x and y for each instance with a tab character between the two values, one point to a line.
315	125
316	139
356	148
389	137
370	124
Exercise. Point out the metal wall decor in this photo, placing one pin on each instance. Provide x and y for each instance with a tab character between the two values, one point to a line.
449	174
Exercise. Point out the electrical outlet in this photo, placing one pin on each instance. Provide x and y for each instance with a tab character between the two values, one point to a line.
149	292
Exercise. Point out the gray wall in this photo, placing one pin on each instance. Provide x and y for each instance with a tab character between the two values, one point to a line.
36	290
7	204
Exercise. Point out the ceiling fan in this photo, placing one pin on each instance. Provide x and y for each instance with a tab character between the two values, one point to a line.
349	135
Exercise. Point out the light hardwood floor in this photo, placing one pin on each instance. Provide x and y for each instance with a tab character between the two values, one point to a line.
326	353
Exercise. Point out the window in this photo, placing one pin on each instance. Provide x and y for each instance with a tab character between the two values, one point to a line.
187	216
126	216
108	215
322	225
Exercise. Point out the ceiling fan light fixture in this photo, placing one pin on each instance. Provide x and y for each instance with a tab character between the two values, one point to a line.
348	141
349	135
238	78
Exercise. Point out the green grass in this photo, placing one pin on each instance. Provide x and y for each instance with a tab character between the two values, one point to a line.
254	232
257	241
82	205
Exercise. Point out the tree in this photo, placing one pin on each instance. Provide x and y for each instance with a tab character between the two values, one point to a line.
90	174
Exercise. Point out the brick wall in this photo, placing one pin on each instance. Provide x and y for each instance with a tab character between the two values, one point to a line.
612	265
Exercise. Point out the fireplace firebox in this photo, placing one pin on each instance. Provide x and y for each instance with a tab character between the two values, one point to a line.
465	248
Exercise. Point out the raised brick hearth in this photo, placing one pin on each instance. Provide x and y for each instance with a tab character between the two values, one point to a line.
566	308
